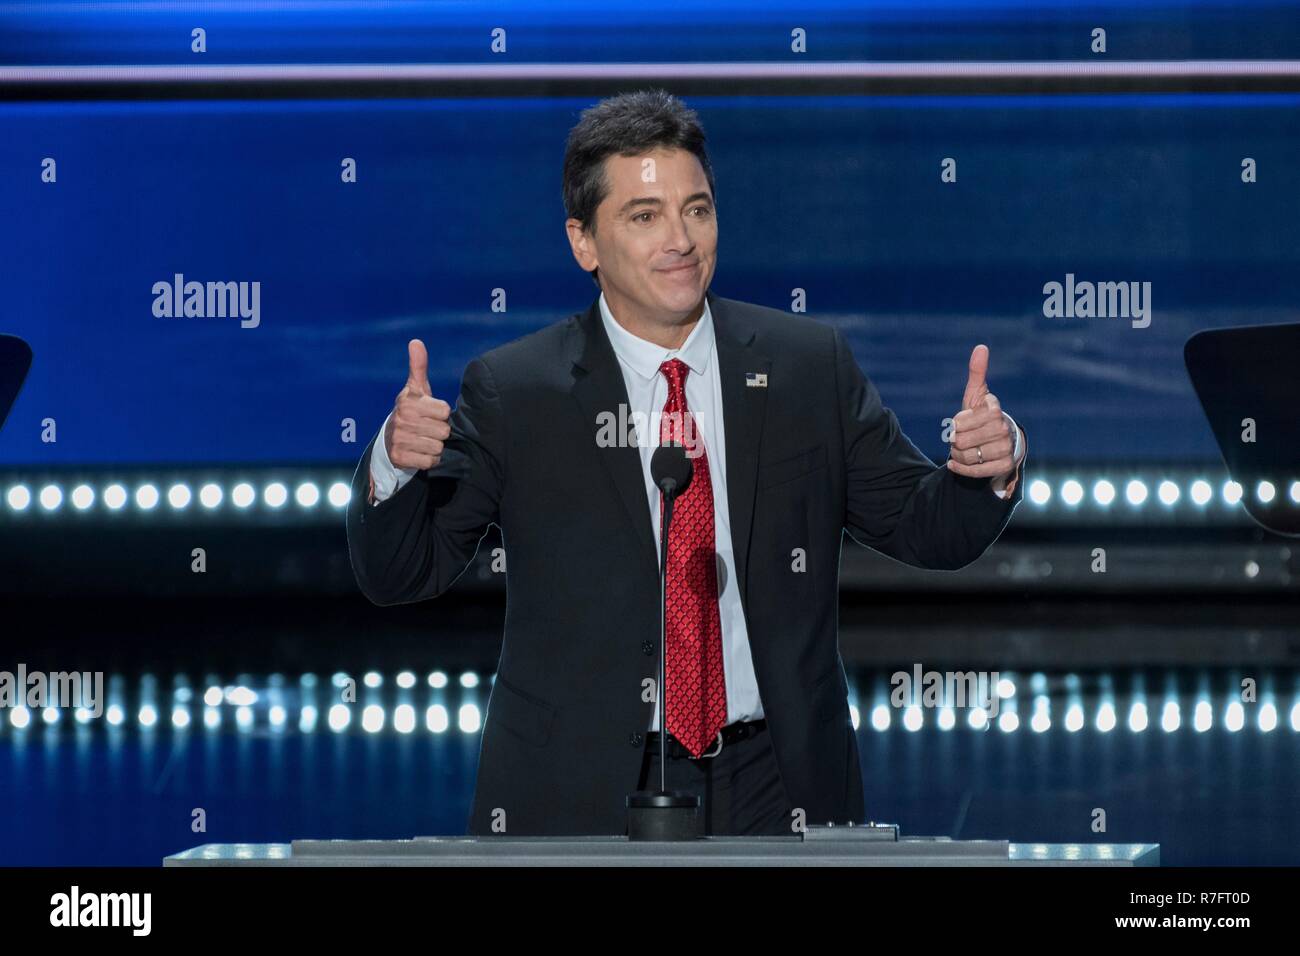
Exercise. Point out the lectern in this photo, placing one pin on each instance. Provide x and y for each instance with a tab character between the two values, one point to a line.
871	845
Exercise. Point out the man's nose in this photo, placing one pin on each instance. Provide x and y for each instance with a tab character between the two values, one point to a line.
679	237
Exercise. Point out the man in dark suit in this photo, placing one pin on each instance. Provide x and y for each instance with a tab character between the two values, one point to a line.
551	440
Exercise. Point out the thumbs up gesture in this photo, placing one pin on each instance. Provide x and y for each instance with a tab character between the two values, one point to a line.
419	423
982	442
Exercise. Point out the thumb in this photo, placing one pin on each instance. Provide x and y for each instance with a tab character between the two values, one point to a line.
417	379
975	384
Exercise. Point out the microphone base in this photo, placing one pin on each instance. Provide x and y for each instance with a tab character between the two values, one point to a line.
664	816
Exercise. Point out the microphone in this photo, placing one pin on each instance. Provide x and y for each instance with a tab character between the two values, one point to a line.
665	814
671	471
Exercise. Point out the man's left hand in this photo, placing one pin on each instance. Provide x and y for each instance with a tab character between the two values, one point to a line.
982	441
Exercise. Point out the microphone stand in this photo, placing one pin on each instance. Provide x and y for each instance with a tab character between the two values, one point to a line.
663	814
669	493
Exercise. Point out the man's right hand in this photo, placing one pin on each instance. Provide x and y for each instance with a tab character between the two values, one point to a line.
419	423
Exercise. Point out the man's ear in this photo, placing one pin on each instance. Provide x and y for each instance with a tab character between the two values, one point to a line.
584	250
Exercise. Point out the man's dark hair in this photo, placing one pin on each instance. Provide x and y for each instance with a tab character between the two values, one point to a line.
627	125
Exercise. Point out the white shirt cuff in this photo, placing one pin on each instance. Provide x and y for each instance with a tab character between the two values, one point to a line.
386	478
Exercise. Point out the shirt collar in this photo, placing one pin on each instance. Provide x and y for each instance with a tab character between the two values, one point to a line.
645	357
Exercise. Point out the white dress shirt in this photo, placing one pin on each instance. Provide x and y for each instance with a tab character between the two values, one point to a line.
647	392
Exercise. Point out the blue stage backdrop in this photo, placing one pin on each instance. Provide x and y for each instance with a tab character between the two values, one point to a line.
839	196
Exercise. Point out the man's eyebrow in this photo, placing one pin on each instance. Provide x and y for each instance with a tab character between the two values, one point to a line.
656	201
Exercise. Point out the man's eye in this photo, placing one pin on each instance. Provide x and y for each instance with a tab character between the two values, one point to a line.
640	214
703	209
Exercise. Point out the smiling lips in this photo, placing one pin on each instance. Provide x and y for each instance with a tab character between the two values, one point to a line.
674	270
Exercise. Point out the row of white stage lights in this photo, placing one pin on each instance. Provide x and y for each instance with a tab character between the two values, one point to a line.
179	496
244	701
374	717
1138	493
212	495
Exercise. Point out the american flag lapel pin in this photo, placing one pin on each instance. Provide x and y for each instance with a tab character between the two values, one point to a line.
756	379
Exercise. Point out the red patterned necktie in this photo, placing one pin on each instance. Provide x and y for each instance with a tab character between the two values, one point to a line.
697	692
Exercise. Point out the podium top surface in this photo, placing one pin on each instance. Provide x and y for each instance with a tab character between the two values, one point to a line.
709	851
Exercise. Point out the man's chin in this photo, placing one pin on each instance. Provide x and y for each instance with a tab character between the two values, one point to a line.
681	300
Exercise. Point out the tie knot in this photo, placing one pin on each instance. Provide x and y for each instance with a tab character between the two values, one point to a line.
675	371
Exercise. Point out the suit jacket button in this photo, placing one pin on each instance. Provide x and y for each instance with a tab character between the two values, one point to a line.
648	648
635	740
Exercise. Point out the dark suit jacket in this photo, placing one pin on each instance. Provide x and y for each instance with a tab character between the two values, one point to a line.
812	455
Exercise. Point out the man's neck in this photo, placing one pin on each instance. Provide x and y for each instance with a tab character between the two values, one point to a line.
668	335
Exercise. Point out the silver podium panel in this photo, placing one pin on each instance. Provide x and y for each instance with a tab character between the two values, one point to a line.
846	849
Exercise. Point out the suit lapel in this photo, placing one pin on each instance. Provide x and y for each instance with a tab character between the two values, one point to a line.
600	390
743	408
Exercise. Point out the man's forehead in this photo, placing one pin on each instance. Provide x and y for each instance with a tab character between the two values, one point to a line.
679	166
